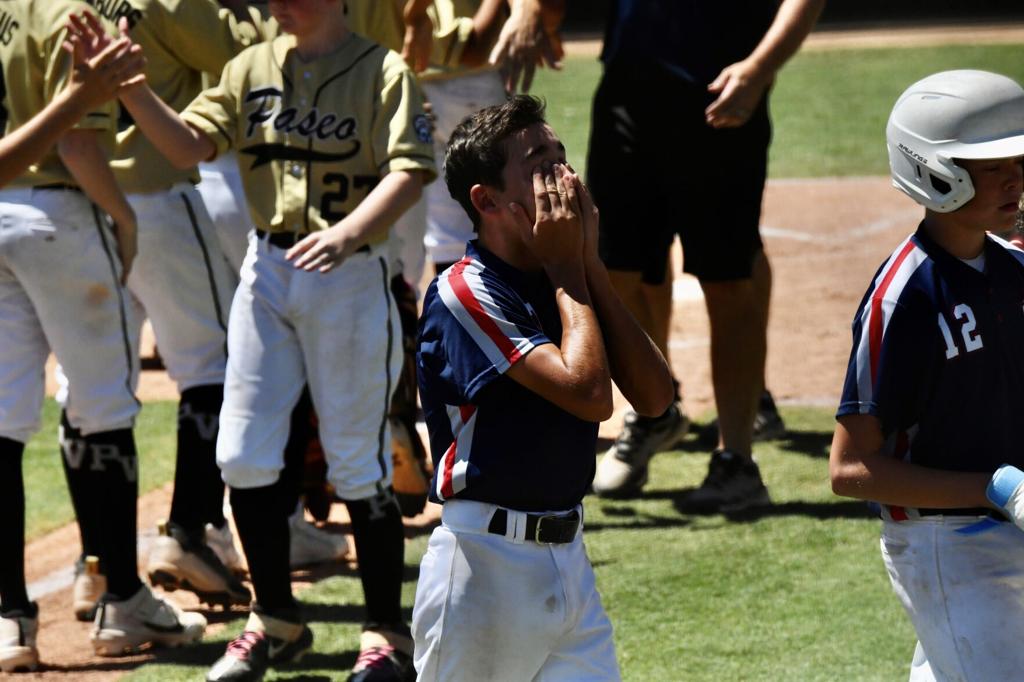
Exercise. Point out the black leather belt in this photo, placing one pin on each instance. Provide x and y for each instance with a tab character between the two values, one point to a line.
964	511
286	240
282	240
546	529
59	185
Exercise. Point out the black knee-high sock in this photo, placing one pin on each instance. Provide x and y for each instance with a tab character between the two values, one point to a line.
198	489
13	596
77	462
261	516
380	545
113	467
299	433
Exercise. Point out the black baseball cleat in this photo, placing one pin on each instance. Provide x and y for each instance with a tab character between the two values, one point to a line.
248	656
768	424
383	664
384	655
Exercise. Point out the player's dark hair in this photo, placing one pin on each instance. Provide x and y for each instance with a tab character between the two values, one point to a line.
476	151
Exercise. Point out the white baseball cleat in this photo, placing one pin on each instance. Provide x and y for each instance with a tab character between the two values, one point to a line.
222	542
311	545
126	626
18	650
89	587
178	560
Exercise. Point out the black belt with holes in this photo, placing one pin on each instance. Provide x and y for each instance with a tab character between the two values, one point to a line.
965	511
546	529
59	185
286	240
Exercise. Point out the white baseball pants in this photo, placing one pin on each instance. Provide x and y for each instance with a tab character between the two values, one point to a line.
497	608
184	284
60	289
340	332
224	196
452	100
964	594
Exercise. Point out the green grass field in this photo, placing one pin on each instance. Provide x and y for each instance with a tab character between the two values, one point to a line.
797	593
829	108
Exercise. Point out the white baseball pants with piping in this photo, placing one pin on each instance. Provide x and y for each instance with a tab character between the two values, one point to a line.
501	608
60	289
337	331
964	593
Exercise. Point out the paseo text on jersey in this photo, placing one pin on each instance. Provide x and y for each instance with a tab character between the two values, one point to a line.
288	119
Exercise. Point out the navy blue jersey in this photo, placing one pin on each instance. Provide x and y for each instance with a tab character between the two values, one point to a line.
938	356
491	439
694	38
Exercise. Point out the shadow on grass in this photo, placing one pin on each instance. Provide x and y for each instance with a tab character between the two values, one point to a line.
846	509
93	666
842	509
205	653
318	572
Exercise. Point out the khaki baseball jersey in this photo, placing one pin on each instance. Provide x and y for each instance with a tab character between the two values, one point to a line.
381	21
314	138
34	69
181	39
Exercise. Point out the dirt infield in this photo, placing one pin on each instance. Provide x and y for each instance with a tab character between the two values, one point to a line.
825	238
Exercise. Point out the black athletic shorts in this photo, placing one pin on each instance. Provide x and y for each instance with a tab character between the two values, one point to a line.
657	170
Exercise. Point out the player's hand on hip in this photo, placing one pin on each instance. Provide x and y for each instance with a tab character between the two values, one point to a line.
323	250
556	234
739	87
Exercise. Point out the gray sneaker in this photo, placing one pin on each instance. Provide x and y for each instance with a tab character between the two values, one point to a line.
622	471
733	483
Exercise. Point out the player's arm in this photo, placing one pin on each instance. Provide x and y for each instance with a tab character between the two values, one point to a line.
183	145
418	40
529	37
637	366
858	468
93	81
383	206
487	23
740	86
80	152
575	374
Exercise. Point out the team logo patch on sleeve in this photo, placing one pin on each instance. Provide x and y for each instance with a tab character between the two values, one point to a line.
424	129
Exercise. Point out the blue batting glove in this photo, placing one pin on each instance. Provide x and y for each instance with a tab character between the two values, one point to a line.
1006	491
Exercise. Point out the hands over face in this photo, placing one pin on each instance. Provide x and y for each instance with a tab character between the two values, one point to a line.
556	236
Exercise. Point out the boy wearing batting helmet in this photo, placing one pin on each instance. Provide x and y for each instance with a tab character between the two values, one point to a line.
519	343
926	426
333	146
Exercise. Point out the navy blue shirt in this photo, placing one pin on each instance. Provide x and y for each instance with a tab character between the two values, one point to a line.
938	356
695	39
491	439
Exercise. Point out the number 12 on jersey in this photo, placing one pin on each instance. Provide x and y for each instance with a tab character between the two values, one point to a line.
972	339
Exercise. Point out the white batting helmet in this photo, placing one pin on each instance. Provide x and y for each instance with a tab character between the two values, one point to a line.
946	116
